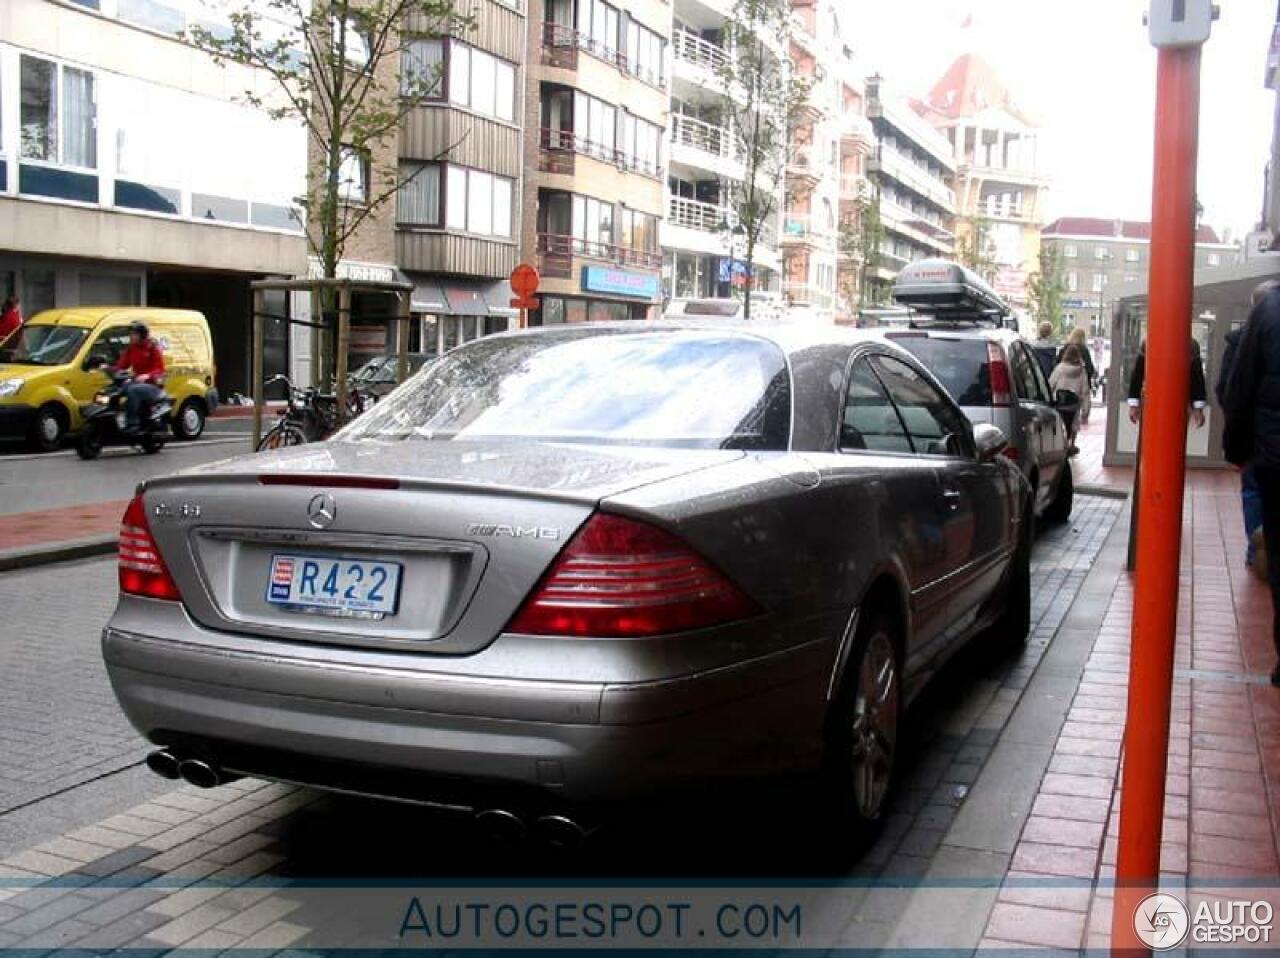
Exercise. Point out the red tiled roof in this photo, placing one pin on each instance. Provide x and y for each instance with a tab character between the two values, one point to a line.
1115	229
970	86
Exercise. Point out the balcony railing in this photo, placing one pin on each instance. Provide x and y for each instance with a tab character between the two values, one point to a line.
803	161
700	135
568	143
854	186
906	171
558	246
557	37
697	215
692	49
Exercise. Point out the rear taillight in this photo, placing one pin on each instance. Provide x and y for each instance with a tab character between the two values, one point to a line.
998	372
142	570
618	578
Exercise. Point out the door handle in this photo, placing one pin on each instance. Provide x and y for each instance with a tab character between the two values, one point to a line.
952	498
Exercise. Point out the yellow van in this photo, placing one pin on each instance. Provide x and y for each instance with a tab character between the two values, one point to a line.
45	379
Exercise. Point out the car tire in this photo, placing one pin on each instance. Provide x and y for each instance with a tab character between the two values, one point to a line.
188	422
862	736
49	428
1014	624
1059	510
89	443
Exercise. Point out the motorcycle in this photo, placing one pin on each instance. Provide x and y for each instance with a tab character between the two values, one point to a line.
104	421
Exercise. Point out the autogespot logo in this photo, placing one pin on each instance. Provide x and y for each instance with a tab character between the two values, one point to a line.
1161	922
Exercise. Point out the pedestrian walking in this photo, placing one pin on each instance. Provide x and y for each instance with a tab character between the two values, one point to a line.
1199	391
1045	348
1079	338
1251	432
1069	383
1250	494
10	317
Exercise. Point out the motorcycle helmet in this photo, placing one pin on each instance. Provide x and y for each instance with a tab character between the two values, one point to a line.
137	326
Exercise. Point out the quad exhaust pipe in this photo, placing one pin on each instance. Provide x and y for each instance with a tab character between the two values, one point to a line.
194	771
554	831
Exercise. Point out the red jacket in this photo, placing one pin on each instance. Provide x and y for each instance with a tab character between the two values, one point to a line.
146	360
9	324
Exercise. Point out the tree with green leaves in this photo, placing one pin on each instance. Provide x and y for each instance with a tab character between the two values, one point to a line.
974	246
1045	289
762	98
349	71
862	237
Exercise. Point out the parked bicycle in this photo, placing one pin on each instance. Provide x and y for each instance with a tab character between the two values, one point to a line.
309	415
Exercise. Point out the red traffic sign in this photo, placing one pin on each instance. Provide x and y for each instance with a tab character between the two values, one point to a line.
524	281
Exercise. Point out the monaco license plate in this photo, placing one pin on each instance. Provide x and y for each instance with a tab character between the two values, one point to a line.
356	588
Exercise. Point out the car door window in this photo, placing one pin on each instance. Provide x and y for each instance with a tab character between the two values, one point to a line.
110	344
870	422
1024	370
1041	380
935	426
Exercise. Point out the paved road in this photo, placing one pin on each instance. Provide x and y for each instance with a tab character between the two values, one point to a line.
68	761
30	481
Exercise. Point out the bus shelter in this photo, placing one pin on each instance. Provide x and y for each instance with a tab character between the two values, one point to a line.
332	341
1220	303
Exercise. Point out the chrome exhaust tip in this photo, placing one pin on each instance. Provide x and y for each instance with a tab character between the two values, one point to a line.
559	831
200	774
164	763
501	825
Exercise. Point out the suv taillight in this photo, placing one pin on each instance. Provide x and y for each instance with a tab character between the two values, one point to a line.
142	570
619	578
998	371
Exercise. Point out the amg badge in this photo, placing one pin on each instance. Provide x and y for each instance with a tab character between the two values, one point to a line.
512	532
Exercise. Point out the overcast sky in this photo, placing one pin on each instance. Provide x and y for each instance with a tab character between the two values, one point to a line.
1086	69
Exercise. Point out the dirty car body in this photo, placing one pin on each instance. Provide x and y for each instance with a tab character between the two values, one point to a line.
629	558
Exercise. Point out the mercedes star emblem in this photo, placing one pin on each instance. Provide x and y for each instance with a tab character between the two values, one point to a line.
322	510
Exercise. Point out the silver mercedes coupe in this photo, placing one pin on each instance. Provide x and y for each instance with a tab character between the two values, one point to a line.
565	567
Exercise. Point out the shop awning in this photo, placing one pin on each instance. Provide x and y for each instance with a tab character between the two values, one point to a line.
499	296
427	298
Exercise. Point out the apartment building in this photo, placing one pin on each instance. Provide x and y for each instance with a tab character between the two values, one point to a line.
131	172
827	185
593	156
457	216
704	256
1096	254
912	169
998	182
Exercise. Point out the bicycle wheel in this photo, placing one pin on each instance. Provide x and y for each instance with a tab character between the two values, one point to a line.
281	436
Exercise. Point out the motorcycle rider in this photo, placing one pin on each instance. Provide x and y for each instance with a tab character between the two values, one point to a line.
144	358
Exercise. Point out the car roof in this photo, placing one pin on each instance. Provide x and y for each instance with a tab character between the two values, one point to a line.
89	316
957	331
790	337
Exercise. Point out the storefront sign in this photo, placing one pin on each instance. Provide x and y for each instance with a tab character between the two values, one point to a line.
734	270
620	282
357	272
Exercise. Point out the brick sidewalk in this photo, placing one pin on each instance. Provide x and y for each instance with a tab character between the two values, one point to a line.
1223	784
1087	465
48	526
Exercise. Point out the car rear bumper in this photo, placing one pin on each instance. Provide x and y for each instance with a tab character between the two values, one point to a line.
15	420
432	735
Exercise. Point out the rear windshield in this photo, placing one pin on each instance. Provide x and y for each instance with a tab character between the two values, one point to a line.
959	364
682	388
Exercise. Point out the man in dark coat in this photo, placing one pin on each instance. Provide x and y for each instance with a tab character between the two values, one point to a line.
1250	494
1251	430
1199	391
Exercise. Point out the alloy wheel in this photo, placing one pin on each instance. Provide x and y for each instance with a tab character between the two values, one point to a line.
874	732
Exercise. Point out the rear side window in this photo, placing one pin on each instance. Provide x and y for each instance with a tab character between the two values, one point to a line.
935	426
870	422
1024	373
961	365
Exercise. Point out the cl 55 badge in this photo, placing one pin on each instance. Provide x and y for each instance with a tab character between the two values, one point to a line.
183	510
512	532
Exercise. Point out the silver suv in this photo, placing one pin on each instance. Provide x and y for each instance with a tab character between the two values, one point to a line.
993	376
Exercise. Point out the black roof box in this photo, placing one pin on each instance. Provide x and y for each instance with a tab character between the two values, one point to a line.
947	290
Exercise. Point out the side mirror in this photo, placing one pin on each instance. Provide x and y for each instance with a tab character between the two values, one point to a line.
94	361
990	441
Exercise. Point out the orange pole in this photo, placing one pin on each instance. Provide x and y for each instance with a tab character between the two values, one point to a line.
1163	470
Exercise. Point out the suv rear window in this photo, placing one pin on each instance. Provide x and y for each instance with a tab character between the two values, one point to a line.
959	364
